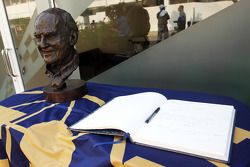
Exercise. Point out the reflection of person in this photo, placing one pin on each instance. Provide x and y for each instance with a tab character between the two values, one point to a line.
181	22
123	29
92	24
56	34
131	24
163	18
122	22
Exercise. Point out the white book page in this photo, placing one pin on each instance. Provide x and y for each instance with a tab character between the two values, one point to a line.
195	128
125	113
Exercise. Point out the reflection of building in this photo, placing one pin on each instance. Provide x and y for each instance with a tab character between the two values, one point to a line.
16	2
195	10
19	14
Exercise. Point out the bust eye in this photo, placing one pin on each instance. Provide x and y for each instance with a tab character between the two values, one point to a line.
50	35
37	38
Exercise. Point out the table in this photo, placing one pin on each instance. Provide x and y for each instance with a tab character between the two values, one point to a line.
34	132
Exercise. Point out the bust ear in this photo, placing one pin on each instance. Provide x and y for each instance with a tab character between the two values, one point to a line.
73	38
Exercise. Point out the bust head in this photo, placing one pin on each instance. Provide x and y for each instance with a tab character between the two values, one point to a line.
56	34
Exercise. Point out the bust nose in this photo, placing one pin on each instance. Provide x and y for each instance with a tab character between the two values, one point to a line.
43	42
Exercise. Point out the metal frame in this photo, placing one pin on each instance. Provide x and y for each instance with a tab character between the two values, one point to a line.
9	51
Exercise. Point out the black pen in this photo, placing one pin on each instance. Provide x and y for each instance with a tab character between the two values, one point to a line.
152	115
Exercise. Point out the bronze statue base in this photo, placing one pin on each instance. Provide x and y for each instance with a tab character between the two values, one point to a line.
74	89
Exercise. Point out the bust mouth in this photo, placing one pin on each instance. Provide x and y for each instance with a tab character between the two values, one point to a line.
47	51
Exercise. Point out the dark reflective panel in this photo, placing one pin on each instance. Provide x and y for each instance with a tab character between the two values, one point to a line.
111	34
115	30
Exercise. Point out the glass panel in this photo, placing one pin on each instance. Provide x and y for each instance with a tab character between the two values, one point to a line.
21	15
111	31
6	84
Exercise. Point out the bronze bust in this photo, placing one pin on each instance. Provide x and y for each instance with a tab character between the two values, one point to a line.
55	34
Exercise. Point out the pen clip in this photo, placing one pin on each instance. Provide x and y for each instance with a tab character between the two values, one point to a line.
152	115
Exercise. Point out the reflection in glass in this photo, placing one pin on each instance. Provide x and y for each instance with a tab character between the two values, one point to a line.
115	30
111	31
6	85
111	34
21	15
16	2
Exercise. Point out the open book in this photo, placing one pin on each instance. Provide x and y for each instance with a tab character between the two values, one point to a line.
193	128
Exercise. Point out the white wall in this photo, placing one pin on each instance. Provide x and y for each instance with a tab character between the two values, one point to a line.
97	3
21	10
75	8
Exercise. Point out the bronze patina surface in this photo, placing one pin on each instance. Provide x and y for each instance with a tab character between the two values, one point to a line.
55	34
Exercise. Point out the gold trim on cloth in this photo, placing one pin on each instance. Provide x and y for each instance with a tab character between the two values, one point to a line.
4	163
8	142
94	99
32	92
48	143
43	143
70	108
240	135
31	115
218	164
117	153
26	104
7	115
138	161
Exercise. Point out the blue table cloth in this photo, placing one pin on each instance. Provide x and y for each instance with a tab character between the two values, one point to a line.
34	133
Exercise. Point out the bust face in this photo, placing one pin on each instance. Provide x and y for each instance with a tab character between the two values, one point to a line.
53	44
